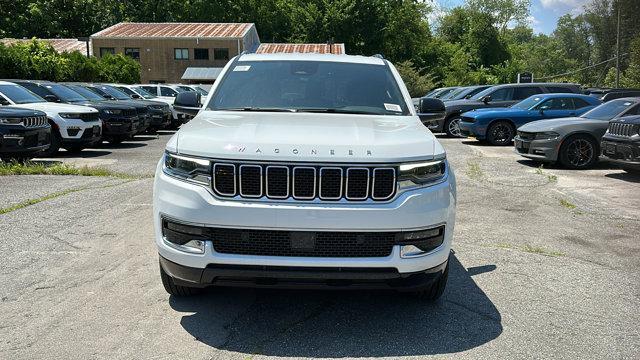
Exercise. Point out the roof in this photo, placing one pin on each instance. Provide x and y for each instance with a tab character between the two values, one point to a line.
358	59
273	48
175	30
201	73
60	45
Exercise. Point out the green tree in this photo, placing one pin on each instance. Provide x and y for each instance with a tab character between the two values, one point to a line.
417	84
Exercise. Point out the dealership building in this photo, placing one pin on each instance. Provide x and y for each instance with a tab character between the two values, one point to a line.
189	52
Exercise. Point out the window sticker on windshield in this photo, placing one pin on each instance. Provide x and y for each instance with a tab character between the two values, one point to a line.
392	107
627	104
242	68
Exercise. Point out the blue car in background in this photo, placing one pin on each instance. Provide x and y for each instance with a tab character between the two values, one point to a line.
498	125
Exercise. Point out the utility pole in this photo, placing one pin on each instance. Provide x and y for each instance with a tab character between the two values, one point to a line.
618	49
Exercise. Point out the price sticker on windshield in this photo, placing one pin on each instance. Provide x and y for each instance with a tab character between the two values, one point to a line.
393	107
242	68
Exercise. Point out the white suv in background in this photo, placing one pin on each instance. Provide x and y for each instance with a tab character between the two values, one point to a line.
138	92
166	91
305	170
73	127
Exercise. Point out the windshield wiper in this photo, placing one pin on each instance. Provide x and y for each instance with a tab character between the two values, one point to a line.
258	109
338	111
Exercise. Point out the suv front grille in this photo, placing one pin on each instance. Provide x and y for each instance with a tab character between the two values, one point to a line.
621	129
304	182
89	116
294	243
34	121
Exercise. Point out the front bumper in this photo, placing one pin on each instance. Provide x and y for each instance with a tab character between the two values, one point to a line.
541	150
301	277
473	130
89	134
159	118
17	140
418	209
624	152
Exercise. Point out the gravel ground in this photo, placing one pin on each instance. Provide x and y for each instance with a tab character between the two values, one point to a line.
546	265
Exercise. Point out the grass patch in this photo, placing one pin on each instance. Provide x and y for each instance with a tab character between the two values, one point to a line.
567	204
35	168
540	170
29	202
552	178
541	251
473	171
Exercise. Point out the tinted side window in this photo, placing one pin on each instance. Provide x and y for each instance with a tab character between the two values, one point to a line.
521	93
151	89
36	89
165	91
504	94
579	103
559	89
558	104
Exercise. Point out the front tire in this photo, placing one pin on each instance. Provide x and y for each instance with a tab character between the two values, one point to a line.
177	290
56	142
578	152
500	133
452	127
435	290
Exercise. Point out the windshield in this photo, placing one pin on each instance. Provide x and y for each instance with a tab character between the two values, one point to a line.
140	91
64	93
454	94
86	93
608	110
20	95
114	92
484	92
197	89
312	86
528	103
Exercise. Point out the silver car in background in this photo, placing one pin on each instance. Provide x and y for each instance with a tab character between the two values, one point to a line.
574	142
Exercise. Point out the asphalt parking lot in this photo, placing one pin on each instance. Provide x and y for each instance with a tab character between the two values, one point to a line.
546	264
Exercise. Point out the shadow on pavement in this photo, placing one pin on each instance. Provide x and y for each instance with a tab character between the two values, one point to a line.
82	154
600	165
344	323
625	176
123	145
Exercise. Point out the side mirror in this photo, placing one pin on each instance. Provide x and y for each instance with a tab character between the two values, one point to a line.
136	96
51	98
543	108
187	103
430	105
485	99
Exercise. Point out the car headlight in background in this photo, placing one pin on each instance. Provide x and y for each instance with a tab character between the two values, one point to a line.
112	111
187	168
10	121
547	135
422	174
69	115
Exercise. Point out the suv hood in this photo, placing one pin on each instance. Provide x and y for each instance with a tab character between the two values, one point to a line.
55	108
306	137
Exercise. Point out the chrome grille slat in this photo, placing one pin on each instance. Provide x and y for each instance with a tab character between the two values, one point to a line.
620	129
304	182
34	121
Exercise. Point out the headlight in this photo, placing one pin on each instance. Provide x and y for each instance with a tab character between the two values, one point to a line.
112	111
188	168
10	121
548	135
69	115
422	174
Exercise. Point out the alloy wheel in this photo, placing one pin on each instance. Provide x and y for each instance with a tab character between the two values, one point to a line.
454	127
580	153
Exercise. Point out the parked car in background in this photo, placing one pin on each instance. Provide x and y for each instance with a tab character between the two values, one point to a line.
498	125
168	91
195	88
24	133
74	127
464	92
606	94
440	92
575	141
137	92
119	121
495	96
159	113
621	142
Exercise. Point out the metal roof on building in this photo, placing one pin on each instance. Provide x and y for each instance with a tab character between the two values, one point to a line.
201	73
60	45
277	48
175	30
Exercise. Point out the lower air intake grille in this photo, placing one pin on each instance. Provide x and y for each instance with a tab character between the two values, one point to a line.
305	244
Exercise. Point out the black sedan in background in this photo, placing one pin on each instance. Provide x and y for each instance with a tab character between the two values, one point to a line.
23	133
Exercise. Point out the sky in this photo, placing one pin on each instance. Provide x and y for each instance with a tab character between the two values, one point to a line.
544	13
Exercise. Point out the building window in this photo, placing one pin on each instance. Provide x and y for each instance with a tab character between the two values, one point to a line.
133	53
221	54
105	51
201	54
181	54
